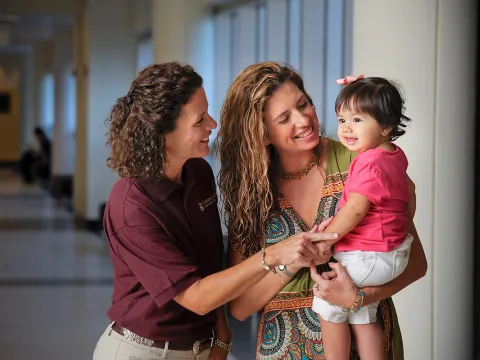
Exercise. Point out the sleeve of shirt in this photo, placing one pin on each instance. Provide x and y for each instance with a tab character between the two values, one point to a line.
367	179
157	262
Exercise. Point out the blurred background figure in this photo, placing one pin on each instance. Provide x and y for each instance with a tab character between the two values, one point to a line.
35	160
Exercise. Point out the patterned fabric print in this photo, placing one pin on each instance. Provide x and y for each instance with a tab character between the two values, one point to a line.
332	193
289	329
287	335
279	228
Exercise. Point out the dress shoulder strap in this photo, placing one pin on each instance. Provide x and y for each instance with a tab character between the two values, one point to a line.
338	157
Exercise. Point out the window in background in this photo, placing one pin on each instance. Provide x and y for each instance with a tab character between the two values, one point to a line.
247	37
222	72
234	46
47	104
70	116
313	57
144	52
294	34
223	54
314	36
261	33
277	30
71	103
334	50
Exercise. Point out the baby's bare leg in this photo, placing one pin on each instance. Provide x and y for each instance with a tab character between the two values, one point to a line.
336	340
369	341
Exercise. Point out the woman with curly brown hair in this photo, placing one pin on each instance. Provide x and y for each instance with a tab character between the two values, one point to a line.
163	227
279	178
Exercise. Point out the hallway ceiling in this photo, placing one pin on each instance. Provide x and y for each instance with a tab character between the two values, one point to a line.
26	22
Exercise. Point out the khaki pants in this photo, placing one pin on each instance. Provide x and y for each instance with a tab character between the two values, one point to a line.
113	346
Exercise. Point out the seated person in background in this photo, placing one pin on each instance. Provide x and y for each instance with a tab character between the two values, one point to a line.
35	161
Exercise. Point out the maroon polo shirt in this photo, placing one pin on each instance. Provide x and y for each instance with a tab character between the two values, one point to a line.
163	237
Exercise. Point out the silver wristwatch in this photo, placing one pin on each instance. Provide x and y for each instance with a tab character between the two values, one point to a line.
283	269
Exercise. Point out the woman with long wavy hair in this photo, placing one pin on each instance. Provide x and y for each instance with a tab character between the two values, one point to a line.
279	177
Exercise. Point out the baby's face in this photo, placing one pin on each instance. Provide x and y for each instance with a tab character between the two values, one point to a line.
358	131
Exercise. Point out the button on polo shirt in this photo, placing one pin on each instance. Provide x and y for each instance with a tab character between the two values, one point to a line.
163	237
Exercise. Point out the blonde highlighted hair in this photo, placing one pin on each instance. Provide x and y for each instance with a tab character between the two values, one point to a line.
245	177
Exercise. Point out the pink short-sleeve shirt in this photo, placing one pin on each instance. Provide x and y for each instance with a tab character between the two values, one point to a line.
380	176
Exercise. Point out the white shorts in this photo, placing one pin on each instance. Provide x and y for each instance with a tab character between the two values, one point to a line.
365	268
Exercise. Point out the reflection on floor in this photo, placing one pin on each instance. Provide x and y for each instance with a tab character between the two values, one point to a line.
56	281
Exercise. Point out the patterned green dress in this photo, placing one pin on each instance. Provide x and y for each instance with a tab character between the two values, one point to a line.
289	329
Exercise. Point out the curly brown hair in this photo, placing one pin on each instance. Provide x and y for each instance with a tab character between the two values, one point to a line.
246	173
139	121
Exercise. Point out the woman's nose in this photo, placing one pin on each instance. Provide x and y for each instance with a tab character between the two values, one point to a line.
301	119
211	123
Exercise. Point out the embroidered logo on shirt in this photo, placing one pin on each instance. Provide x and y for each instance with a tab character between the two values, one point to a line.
207	202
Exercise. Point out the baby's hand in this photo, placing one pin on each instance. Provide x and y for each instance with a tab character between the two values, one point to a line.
324	247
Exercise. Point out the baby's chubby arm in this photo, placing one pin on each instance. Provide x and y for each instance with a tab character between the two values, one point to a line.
351	213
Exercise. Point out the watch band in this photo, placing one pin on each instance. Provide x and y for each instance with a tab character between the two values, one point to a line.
223	345
283	269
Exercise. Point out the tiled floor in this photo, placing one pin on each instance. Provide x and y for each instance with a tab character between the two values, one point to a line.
55	281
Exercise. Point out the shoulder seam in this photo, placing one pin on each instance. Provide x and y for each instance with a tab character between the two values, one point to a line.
124	222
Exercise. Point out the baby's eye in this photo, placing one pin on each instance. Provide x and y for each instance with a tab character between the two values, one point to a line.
341	121
357	119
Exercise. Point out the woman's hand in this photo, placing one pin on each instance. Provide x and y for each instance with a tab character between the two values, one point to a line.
297	250
334	286
324	250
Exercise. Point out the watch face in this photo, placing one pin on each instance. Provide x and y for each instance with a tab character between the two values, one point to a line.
281	267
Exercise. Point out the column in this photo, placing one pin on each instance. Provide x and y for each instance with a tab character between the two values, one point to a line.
105	66
63	145
29	94
429	47
80	53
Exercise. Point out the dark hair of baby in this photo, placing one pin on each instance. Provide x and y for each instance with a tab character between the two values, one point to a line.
379	98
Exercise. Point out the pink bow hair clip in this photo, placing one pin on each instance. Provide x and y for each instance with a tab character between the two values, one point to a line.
349	79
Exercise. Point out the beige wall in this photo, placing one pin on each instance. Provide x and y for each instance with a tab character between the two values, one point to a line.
429	47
